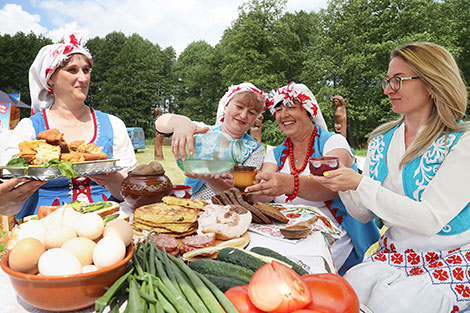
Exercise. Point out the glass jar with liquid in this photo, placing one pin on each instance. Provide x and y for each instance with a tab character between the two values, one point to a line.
214	152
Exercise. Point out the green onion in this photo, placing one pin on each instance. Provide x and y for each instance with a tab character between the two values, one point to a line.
205	294
164	302
181	305
134	303
188	290
103	301
223	300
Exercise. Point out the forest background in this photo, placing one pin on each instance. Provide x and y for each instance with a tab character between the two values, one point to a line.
341	50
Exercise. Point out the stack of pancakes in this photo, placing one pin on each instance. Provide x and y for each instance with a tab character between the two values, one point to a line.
174	216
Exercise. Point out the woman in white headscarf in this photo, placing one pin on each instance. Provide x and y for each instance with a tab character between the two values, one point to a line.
59	79
285	172
238	109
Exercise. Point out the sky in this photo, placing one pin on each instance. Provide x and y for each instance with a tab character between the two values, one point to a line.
174	23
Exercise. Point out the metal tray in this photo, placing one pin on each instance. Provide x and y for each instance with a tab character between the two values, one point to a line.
48	173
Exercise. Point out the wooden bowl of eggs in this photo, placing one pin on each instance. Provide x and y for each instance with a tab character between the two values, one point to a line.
75	274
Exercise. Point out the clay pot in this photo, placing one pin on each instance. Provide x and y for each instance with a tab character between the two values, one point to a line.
141	189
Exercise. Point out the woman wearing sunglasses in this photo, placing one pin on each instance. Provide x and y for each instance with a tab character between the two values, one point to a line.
416	181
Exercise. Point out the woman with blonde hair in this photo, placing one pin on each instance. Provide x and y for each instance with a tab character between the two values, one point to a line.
415	180
238	110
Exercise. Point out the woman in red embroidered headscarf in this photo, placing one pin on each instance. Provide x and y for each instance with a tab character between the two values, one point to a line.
59	79
236	113
285	172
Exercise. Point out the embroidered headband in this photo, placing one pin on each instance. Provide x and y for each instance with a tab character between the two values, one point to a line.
287	94
232	91
48	59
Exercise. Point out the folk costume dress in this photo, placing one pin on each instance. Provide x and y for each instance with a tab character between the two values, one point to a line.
110	133
355	236
253	151
423	260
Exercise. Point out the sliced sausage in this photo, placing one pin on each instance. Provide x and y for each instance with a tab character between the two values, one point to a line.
171	244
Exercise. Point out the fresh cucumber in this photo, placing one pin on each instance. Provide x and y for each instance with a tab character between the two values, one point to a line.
224	283
273	254
240	257
220	268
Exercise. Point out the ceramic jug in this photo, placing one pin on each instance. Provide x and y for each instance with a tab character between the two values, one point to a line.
214	152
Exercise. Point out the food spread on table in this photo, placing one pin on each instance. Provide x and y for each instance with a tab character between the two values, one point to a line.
189	254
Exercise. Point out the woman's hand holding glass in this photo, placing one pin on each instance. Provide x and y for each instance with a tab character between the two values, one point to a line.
341	179
272	184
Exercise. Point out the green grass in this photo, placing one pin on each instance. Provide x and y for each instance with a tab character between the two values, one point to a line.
169	163
361	151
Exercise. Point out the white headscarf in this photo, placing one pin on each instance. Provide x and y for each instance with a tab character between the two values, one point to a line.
232	91
48	59
292	91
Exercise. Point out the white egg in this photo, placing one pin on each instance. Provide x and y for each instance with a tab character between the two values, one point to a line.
89	268
119	228
58	262
82	248
108	251
32	229
90	225
56	236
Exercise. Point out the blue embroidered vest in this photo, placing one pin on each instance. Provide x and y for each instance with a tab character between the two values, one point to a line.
418	173
249	144
362	235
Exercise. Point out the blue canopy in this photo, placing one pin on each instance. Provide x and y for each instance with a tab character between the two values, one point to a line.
6	98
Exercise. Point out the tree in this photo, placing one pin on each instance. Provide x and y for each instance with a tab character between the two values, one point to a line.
354	53
198	88
130	78
17	54
245	48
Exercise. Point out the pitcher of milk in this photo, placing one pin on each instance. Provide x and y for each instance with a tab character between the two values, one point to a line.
214	152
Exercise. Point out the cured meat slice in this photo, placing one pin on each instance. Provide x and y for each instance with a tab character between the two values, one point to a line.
196	242
171	244
199	241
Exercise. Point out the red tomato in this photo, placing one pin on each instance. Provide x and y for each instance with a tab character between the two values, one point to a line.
239	297
45	210
306	311
331	293
277	288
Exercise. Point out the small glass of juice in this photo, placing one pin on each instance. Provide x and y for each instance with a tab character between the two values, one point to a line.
319	165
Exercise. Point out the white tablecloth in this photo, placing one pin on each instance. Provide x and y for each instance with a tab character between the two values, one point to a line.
312	253
10	302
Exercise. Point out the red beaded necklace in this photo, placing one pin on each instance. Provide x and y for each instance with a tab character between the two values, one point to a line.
294	171
310	150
